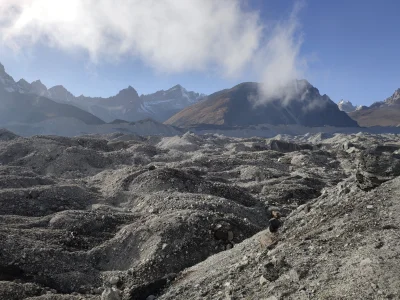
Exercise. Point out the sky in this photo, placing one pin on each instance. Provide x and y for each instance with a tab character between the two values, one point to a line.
346	49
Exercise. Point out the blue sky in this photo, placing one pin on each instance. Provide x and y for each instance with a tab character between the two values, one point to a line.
351	48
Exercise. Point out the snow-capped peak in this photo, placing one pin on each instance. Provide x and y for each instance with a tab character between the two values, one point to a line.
394	99
176	87
346	106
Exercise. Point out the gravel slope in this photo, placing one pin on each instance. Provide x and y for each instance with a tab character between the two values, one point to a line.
186	217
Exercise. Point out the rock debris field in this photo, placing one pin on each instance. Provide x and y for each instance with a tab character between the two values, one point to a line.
126	217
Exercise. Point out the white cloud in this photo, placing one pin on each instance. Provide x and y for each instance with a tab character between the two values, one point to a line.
280	62
168	35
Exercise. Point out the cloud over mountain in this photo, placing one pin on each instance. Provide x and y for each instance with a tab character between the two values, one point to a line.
169	35
224	37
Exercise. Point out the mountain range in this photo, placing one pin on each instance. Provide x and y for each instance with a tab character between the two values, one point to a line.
20	105
381	113
244	105
347	106
126	105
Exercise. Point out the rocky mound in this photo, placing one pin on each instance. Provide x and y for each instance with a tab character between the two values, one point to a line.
128	217
342	245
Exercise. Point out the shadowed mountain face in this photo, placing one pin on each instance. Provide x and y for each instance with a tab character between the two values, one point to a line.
242	105
384	113
121	106
29	108
164	104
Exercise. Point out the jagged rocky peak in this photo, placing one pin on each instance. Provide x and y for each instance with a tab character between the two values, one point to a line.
128	92
23	82
58	88
177	87
60	93
2	69
181	96
346	106
179	91
5	75
394	99
176	91
38	88
303	83
24	85
38	83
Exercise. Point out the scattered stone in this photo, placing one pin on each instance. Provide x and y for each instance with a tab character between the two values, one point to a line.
80	213
33	194
110	294
114	280
274	224
222	231
263	280
98	291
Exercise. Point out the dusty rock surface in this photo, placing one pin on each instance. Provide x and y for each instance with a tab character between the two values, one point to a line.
190	217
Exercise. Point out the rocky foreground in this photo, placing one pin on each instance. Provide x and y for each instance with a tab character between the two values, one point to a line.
121	217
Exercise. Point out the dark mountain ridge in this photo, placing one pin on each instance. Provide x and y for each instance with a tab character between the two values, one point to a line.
244	105
382	113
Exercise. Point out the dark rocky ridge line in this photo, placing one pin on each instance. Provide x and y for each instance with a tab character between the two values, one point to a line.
381	113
